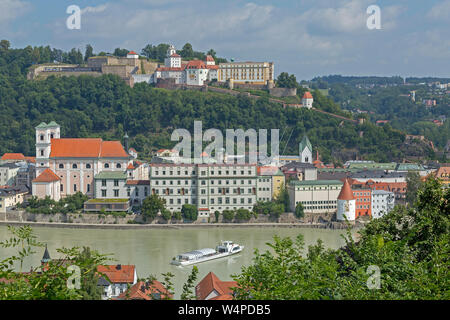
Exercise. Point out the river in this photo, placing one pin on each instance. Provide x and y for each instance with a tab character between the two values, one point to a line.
151	250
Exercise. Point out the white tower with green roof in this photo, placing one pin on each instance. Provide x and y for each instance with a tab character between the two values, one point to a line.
44	135
305	150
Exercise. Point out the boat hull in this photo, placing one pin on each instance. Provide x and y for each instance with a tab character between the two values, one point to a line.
213	257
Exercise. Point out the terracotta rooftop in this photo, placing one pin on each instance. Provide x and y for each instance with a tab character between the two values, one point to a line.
47	176
118	273
13	156
209	58
196	64
138	182
346	192
132	52
211	283
307	95
86	148
144	291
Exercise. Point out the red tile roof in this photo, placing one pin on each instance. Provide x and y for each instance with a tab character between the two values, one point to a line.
209	58
86	148
346	192
175	55
130	167
132	52
307	95
214	67
196	64
47	176
118	273
143	291
211	283
171	68
13	156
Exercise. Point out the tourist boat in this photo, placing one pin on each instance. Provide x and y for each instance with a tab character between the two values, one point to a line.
224	249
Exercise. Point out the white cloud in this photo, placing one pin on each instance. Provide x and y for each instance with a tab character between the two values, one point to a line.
441	11
11	9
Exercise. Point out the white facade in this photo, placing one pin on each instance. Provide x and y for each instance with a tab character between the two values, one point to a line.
264	191
346	209
44	134
306	155
307	103
8	173
382	203
210	187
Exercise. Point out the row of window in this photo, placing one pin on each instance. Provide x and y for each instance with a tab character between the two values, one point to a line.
317	188
75	188
185	191
319	207
203	172
88	166
318	202
203	182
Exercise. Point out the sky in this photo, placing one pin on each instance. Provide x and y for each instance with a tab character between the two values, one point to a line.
308	38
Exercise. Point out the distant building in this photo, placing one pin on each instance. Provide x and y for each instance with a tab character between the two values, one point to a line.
346	204
305	149
120	277
12	196
212	288
317	196
382	202
307	100
145	291
8	173
299	171
246	72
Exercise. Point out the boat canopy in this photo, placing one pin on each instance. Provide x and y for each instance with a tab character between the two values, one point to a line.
197	254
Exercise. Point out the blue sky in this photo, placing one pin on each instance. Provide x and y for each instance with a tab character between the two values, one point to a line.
306	37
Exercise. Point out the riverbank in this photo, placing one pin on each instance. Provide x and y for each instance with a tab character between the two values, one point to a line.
174	225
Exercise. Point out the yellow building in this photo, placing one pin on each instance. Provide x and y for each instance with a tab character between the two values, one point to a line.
246	72
277	182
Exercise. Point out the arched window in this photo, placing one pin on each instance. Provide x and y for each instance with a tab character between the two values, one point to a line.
61	166
118	166
42	152
74	166
106	165
88	165
51	136
42	137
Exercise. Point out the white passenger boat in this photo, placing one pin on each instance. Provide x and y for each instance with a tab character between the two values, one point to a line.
224	249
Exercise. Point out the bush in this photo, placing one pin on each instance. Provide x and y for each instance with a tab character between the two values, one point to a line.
189	212
177	215
299	211
166	214
217	215
243	214
228	215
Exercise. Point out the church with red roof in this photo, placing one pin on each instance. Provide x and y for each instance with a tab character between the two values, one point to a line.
65	166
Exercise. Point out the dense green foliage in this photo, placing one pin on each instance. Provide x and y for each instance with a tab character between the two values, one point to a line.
272	208
243	214
70	204
299	210
106	107
50	282
152	205
189	212
409	247
228	215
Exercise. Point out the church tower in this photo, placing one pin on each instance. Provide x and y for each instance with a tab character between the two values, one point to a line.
346	203
307	100
44	135
305	150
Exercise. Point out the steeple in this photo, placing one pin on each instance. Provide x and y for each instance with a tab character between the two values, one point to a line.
46	258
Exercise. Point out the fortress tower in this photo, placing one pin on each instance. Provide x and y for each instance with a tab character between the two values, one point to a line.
346	203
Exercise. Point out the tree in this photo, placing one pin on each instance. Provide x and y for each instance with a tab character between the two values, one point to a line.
243	214
89	52
118	52
187	51
217	215
299	211
177	215
152	205
283	198
189	285
212	53
285	80
4	44
228	215
189	212
413	183
166	214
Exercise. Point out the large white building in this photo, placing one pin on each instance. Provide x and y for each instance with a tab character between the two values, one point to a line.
246	72
211	187
382	202
194	72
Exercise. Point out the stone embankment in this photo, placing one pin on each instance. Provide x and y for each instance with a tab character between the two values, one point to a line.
101	221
